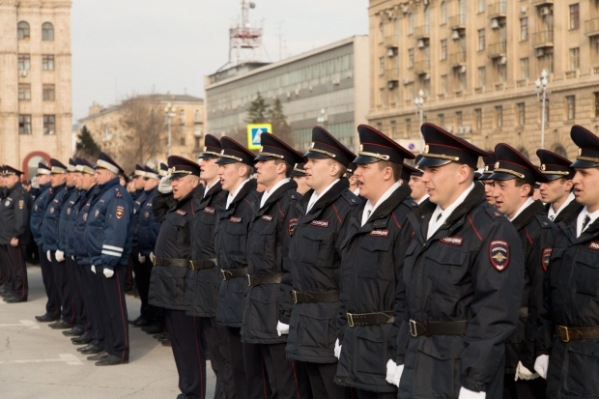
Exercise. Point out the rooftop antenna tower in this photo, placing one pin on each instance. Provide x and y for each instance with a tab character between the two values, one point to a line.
244	41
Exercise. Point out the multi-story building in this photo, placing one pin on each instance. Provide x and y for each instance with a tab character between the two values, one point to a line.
327	86
35	82
109	130
477	62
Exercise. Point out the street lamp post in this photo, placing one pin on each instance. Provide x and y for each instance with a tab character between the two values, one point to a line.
170	113
419	103
541	89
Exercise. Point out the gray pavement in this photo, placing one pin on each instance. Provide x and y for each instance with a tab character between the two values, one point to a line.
38	362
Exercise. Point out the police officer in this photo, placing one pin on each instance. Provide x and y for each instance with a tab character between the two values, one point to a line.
570	340
514	178
353	181
14	236
315	259
557	192
236	164
37	217
273	220
485	177
171	263
463	276
299	177
371	265
108	241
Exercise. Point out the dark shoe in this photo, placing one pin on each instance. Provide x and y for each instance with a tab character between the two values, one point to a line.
111	361
8	296
46	318
98	356
134	321
14	299
61	325
166	343
73	332
153	329
85	347
91	350
82	339
163	335
142	323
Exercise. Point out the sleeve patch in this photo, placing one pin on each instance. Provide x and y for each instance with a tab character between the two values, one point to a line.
181	212
499	254
292	225
120	211
21	204
545	258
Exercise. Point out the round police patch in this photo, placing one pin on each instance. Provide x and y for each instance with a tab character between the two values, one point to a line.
499	254
35	207
147	215
68	211
120	211
545	258
292	225
52	210
96	213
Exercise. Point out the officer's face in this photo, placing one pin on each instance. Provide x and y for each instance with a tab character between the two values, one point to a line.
320	173
373	180
209	169
302	186
418	187
10	181
489	187
138	182
555	190
58	179
71	179
103	176
183	186
150	184
43	179
267	172
78	181
509	197
231	174
443	182
586	188
87	181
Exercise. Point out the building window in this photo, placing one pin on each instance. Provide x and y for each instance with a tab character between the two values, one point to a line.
409	127
182	116
24	91
182	141
596	109
48	92
462	80
481	39
502	72
24	62
521	114
441	118
396	30
481	5
47	32
381	65
498	116
443	49
393	130
574	16
23	32
444	84
410	24
47	62
24	124
574	58
547	63
381	32
478	116
523	29
196	115
49	124
197	130
571	103
411	58
459	119
524	70
443	13
482	76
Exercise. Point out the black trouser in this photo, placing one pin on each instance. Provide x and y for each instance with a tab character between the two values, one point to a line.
321	376
76	286
59	269
92	302
533	389
53	303
237	365
4	277
114	312
216	342
14	260
360	394
143	271
189	350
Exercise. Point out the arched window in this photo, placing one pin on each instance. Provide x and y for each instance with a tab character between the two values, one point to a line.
47	32
23	31
560	150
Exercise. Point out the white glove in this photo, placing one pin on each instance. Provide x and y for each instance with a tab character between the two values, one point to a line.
524	374
337	349
468	394
93	268
542	365
152	257
391	369
108	272
49	255
59	255
165	186
141	258
282	328
397	376
73	257
34	183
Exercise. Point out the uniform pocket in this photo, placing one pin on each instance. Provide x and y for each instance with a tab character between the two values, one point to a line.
263	310
583	362
587	274
376	265
236	237
372	352
316	247
315	330
438	368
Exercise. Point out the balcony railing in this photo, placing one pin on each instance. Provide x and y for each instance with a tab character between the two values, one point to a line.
422	67
540	3
392	75
497	10
591	27
543	39
422	32
457	59
496	50
457	21
390	41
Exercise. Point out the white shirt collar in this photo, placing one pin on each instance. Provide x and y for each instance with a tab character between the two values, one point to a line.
232	196
357	191
525	205
209	187
314	197
437	221
267	193
581	216
553	213
423	199
369	208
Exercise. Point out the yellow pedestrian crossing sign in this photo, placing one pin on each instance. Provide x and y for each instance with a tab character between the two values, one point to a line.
254	132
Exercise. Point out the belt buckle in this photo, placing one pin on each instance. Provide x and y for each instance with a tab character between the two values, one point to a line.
249	280
561	329
294	295
350	320
413	328
224	274
191	266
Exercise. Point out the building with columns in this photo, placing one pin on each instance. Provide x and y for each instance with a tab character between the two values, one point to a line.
476	62
35	82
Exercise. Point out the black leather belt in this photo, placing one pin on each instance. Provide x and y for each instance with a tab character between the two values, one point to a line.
264	279
170	262
369	319
234	273
202	264
567	334
313	297
437	328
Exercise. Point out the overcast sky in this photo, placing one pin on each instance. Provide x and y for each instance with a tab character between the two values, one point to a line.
125	47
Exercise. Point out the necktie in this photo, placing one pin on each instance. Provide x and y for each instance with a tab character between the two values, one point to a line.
585	223
552	217
439	216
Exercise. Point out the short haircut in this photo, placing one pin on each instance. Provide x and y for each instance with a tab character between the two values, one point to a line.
288	167
396	167
248	168
521	182
342	169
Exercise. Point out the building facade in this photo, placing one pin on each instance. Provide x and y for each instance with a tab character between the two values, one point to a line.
327	86
476	63
107	127
35	82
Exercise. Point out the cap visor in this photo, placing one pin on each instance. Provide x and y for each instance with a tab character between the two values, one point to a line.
361	160
225	161
584	164
485	176
317	155
264	158
431	162
553	177
298	174
501	176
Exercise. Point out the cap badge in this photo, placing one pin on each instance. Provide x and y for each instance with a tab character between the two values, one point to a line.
487	168
312	145
543	167
205	149
361	147
222	152
496	164
426	149
261	149
580	151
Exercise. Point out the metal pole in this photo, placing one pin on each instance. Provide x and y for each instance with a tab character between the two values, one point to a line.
168	121
543	121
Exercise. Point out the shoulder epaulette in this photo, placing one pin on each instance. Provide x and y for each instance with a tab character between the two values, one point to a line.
117	193
410	203
494	213
544	221
294	197
351	198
